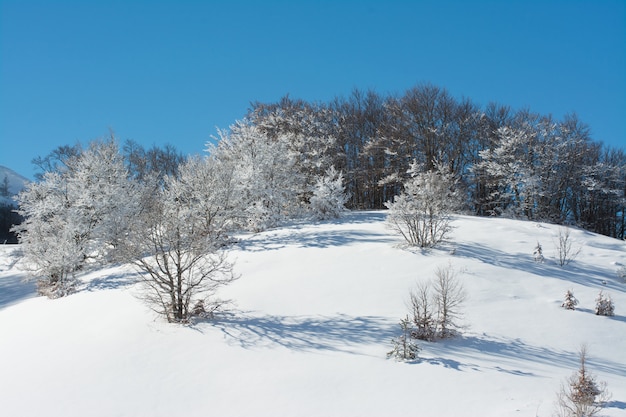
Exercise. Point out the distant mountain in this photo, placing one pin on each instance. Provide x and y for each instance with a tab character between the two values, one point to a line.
11	183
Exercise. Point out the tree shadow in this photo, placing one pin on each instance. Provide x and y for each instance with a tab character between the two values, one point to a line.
511	352
14	289
111	282
317	236
303	333
621	405
590	275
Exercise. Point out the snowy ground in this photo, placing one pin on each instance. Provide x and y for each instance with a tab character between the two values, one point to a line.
315	309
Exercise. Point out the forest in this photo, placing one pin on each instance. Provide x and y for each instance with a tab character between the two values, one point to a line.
513	163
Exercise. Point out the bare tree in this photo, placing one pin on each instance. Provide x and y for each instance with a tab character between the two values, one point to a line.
566	253
450	295
425	326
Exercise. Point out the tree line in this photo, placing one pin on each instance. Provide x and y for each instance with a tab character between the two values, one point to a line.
505	162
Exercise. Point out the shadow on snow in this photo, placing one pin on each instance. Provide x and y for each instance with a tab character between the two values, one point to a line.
303	333
478	351
13	289
315	235
590	275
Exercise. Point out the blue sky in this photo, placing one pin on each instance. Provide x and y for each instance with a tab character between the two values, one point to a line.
164	72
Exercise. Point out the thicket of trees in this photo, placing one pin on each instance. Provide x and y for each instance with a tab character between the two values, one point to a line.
170	216
505	162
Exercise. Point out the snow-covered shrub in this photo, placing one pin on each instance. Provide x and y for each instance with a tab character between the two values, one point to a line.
403	347
422	213
570	301
538	253
581	395
604	305
329	196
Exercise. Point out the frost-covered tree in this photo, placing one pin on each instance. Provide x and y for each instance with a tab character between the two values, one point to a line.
570	301
329	196
422	213
178	242
604	305
268	184
75	217
582	395
403	347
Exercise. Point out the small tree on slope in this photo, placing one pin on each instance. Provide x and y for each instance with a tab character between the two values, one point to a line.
581	395
604	305
403	348
570	302
329	196
422	213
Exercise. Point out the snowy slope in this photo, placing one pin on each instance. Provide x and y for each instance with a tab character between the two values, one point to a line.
315	309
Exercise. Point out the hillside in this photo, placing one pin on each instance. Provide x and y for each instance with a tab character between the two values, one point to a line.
15	183
314	311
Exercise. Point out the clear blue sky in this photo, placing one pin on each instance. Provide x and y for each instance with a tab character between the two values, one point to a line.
172	71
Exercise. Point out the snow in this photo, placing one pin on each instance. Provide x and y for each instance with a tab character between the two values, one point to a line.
312	319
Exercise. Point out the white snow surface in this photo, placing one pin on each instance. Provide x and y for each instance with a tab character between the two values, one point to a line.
314	312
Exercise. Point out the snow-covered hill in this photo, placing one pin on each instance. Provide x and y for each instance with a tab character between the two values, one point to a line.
15	183
316	308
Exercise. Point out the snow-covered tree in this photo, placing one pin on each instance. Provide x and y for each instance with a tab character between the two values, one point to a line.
329	196
268	184
604	305
422	213
570	301
582	395
178	242
75	217
403	347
